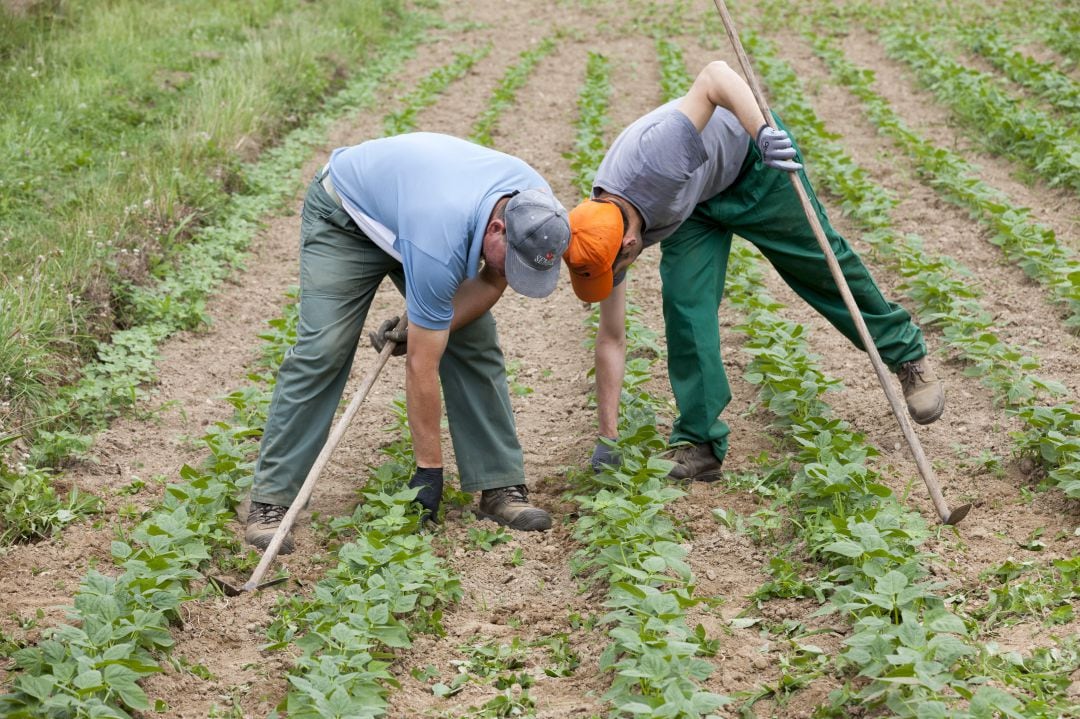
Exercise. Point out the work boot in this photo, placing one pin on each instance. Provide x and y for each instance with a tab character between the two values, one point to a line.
510	506
263	521
924	392
695	462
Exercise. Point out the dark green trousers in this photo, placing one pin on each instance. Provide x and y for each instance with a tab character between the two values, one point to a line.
761	207
340	270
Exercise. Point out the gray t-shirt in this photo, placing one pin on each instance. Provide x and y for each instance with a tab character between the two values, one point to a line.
665	167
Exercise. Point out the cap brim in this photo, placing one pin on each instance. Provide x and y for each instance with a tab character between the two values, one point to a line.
529	281
593	289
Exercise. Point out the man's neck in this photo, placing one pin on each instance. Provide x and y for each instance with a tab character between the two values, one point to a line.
635	222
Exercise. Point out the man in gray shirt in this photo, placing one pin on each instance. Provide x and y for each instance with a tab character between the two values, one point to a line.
688	176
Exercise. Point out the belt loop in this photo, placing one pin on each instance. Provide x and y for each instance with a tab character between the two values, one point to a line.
328	185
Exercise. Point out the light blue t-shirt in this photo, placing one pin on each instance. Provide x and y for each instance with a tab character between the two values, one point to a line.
435	193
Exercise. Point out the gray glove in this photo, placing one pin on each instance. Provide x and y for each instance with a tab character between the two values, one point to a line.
603	454
387	333
776	149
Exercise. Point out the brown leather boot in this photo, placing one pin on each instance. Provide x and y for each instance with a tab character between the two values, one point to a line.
510	506
263	521
695	462
924	392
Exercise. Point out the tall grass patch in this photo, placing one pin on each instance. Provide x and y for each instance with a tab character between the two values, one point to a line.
125	126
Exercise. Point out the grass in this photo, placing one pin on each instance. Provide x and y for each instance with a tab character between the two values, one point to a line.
124	129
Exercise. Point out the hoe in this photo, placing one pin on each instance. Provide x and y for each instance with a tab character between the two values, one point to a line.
927	473
302	496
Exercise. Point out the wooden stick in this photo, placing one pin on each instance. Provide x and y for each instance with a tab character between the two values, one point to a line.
898	409
332	442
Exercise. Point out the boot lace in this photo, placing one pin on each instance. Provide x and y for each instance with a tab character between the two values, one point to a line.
516	494
267	513
910	373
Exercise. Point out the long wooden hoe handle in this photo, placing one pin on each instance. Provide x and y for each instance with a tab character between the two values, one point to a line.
898	408
320	462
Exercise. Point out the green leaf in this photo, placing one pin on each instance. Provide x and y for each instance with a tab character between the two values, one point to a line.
89	679
990	700
635	707
945	622
845	547
744	622
892	583
932	710
122	681
40	687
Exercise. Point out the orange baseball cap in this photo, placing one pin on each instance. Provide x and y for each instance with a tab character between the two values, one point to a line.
596	232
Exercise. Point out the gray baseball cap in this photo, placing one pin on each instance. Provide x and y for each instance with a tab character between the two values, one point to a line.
537	234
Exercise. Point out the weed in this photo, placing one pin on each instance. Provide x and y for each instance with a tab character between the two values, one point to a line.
30	506
1045	595
486	539
513	368
425	674
565	659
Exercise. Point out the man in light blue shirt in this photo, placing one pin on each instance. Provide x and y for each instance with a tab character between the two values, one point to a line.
452	223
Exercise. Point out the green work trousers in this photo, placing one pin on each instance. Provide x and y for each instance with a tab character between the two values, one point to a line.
340	270
763	208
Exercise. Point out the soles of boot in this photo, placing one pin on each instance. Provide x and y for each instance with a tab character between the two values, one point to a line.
708	475
528	523
261	542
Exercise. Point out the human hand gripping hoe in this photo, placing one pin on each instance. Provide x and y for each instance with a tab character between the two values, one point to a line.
946	515
306	489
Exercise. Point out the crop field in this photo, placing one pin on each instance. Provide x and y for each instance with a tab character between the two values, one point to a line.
149	217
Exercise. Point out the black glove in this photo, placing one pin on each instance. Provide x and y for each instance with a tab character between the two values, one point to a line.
603	455
387	333
430	481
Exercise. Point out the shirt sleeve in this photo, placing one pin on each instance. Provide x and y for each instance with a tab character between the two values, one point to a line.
430	285
673	147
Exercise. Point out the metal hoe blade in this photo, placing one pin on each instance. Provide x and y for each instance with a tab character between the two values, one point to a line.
957	514
231	591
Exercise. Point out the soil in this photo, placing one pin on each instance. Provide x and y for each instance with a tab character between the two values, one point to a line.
540	596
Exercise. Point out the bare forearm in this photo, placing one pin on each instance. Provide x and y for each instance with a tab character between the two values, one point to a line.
423	400
610	360
610	368
424	405
476	296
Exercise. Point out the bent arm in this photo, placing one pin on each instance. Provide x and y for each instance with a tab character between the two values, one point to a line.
422	398
610	360
476	295
717	85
